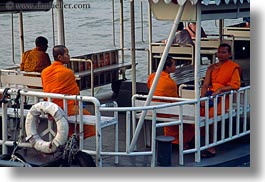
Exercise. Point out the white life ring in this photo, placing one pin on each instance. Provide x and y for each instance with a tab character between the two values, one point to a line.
31	127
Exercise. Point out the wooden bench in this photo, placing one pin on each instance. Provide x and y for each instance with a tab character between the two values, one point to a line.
98	69
240	33
210	45
20	79
184	55
91	70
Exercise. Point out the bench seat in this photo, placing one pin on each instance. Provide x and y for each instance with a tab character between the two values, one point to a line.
103	69
91	120
187	119
87	119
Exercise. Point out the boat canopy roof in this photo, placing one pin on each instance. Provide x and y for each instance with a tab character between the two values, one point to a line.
15	6
210	9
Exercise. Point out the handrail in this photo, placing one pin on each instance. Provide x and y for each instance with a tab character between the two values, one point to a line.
49	96
239	110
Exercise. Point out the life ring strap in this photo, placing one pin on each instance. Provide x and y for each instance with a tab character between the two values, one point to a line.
31	127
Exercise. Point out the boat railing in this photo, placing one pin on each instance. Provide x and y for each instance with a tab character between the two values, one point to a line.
233	121
229	124
11	114
97	69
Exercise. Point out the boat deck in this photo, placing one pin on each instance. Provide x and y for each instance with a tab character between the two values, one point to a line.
232	154
235	153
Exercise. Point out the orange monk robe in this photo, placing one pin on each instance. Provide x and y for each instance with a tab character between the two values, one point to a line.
34	61
167	87
58	79
226	75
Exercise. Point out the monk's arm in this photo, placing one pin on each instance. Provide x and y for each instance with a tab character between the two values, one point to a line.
206	82
235	79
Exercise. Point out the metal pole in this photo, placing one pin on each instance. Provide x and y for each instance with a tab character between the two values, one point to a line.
121	31
133	47
21	33
221	25
12	38
142	22
60	19
53	29
158	72
113	23
150	65
197	81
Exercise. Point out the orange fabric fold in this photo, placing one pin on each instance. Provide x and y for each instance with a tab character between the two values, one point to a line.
226	75
34	61
58	79
167	87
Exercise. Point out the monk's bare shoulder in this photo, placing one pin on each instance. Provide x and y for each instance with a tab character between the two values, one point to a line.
211	67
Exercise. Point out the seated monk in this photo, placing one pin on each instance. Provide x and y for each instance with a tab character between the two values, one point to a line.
222	76
37	59
56	78
167	87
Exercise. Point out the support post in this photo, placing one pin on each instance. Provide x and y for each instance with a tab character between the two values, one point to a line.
158	72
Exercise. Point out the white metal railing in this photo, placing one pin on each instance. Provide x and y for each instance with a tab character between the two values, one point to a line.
236	114
233	120
41	96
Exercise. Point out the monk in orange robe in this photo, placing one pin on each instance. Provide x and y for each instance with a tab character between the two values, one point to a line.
37	59
56	78
167	87
220	77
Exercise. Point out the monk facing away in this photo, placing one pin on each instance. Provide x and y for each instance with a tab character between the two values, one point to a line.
56	78
191	28
220	77
37	59
167	87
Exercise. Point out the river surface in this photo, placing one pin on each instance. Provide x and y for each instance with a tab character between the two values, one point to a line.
87	30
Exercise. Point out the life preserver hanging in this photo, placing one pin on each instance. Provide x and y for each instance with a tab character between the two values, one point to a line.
31	127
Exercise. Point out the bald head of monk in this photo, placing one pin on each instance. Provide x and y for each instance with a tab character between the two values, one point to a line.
61	54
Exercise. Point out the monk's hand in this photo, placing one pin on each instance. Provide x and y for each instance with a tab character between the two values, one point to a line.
218	91
50	118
